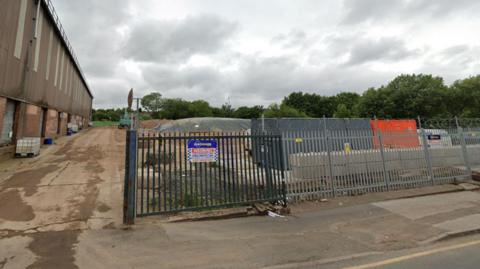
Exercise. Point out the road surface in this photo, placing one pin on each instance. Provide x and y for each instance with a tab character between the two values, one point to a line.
460	253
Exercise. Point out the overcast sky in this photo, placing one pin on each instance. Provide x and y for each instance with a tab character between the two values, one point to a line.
257	51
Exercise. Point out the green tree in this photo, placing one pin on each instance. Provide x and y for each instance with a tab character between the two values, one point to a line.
283	111
375	103
343	112
464	98
145	116
417	95
245	112
350	99
225	111
175	109
108	114
407	96
152	102
313	105
200	108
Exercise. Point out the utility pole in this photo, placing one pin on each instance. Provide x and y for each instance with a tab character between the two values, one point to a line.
135	119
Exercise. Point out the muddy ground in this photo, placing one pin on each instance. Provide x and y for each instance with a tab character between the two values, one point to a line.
46	202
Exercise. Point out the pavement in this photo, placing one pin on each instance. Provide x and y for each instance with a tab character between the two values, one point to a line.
64	210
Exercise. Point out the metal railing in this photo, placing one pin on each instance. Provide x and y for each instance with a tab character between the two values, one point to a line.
294	165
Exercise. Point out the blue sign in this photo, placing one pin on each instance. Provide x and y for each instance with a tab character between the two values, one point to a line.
202	151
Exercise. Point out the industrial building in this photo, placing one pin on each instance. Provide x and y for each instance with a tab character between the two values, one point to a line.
42	87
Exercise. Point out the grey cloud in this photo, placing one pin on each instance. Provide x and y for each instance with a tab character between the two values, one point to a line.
295	38
456	50
259	80
359	11
160	41
440	7
359	49
460	57
312	61
110	93
169	77
190	83
91	27
270	79
384	49
377	10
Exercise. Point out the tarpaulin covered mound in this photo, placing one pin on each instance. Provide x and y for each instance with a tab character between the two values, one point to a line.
205	125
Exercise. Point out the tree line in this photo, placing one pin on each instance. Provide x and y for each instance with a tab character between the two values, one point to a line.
406	96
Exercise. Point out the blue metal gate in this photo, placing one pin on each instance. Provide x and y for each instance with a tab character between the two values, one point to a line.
192	171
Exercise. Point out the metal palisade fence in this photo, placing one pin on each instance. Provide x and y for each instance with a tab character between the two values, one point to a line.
192	171
171	172
325	163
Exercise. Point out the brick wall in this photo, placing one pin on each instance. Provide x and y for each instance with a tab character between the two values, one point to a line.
51	124
30	117
63	123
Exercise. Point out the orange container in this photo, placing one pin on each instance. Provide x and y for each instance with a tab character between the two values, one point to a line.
395	133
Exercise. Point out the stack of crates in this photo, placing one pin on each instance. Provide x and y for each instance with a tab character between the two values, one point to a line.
28	147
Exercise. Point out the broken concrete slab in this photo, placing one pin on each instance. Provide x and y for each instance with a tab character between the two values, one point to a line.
469	186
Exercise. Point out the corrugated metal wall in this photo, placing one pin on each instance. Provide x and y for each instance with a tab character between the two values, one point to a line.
44	73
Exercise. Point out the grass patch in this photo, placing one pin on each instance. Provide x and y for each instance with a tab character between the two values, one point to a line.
104	123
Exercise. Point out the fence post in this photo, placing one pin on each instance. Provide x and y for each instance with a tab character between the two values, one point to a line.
464	148
268	168
382	154
330	166
282	168
427	155
130	178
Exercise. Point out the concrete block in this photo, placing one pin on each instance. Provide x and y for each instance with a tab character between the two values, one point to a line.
315	164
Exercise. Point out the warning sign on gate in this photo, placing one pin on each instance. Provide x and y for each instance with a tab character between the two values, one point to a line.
202	151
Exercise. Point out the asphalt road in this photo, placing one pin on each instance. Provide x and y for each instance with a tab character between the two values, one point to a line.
464	255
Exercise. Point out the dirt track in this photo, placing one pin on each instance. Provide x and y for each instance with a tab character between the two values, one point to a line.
46	202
